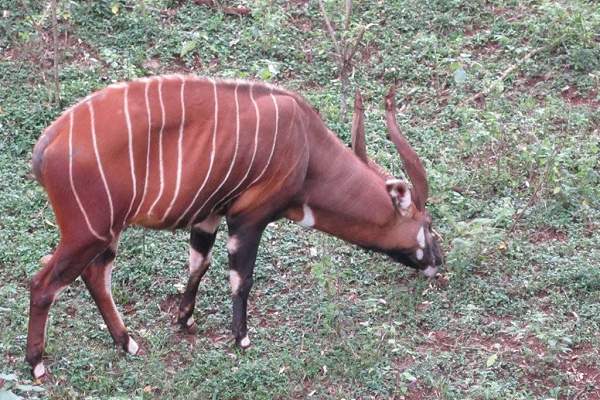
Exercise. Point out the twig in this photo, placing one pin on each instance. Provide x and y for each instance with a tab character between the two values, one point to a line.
344	51
531	200
56	56
504	75
331	31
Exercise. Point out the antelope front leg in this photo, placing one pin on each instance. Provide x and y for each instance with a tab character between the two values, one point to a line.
98	278
201	243
242	247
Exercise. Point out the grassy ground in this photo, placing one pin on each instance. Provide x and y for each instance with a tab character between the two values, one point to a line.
515	182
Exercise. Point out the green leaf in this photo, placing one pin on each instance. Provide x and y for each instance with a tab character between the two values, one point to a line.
460	76
187	47
115	8
408	376
29	388
8	395
491	360
8	377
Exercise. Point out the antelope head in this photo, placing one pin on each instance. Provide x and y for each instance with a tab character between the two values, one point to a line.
415	242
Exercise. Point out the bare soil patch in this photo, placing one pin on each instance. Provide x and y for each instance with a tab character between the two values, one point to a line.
547	234
572	96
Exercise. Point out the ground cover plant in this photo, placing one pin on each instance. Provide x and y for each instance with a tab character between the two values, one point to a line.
501	102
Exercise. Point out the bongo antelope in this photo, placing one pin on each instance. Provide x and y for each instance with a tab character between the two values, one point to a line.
172	152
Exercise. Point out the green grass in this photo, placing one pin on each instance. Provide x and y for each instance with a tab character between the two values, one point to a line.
515	183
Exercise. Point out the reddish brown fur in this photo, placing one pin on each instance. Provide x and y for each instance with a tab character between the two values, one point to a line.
298	162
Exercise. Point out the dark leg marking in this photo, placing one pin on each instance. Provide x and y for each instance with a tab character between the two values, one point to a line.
201	244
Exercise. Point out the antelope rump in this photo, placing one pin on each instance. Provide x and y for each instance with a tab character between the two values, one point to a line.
172	152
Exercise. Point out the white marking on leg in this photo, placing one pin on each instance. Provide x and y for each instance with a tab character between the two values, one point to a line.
39	370
149	118
245	342
179	152
212	156
234	281
160	148
131	161
419	254
237	141
232	244
249	168
132	347
196	260
210	224
274	141
101	168
308	218
108	288
421	238
77	199
190	322
430	271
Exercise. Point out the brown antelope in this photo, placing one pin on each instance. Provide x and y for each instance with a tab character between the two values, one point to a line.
175	152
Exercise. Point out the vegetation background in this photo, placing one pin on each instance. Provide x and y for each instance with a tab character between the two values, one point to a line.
502	103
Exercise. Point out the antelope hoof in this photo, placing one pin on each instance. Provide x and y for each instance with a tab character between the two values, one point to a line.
430	272
39	371
244	343
190	326
132	347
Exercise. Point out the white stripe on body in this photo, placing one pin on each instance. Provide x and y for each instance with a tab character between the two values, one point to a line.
85	216
131	162
212	157
274	141
237	141
149	117
179	153
100	168
224	200
160	148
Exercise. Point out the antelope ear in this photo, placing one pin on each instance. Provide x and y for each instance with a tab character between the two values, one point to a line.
400	194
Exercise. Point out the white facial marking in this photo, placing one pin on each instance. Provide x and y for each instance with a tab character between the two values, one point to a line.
421	238
234	280
196	260
419	254
232	244
430	271
245	342
190	322
39	370
308	218
132	347
406	200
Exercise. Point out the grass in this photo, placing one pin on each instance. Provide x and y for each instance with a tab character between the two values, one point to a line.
514	176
